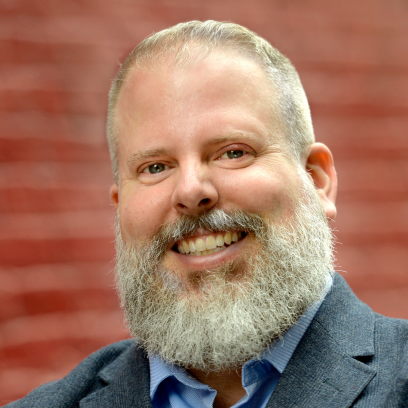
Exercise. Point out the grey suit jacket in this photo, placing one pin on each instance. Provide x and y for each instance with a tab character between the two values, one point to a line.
348	357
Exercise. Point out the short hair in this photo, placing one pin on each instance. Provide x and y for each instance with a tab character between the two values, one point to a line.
199	38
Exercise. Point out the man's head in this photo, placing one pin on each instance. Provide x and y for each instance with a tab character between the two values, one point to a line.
222	235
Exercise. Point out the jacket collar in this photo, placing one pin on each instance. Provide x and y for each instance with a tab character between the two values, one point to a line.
324	370
128	382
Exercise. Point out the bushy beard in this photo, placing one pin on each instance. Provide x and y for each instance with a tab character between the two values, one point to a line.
224	317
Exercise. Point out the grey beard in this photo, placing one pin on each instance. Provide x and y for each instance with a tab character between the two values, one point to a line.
237	310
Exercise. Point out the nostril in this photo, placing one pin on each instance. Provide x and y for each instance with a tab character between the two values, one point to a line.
204	201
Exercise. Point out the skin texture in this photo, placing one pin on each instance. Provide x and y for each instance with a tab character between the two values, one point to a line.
185	120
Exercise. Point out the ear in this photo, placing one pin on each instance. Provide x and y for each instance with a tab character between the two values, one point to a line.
320	165
114	193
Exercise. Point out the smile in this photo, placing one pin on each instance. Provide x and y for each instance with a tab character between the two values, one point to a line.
207	245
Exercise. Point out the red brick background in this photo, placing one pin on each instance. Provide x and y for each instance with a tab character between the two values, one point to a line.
56	238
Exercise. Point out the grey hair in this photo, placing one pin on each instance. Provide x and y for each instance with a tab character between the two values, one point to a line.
197	38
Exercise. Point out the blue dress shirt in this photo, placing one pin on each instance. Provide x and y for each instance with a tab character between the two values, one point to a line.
172	386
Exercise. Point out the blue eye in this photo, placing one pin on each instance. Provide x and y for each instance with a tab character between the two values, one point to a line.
155	168
233	154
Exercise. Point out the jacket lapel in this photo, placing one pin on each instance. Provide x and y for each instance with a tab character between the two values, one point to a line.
128	385
324	371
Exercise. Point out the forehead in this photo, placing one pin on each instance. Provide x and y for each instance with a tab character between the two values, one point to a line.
219	89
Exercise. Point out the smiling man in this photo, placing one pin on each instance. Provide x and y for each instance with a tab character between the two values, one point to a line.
224	253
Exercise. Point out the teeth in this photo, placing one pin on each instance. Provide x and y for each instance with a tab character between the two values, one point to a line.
200	245
192	246
210	246
220	240
210	242
207	252
186	247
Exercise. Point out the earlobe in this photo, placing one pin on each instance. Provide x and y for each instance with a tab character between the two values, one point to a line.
114	194
320	165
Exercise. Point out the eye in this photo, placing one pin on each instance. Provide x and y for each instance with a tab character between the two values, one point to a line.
233	154
155	168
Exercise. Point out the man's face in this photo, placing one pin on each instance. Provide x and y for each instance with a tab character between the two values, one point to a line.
203	161
197	138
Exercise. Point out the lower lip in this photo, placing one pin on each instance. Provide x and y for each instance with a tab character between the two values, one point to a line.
213	260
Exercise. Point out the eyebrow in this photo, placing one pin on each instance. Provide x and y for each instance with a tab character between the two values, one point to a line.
145	154
231	137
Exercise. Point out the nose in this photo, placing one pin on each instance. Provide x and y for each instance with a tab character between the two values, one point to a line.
194	192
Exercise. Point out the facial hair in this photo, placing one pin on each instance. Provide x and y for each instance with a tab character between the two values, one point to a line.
227	316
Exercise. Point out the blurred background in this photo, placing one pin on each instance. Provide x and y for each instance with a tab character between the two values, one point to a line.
57	302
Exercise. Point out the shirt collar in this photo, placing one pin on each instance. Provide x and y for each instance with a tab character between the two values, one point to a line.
280	351
160	370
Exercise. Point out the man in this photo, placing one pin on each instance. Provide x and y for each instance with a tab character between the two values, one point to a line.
224	254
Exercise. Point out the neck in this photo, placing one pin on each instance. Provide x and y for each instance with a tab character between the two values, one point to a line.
228	385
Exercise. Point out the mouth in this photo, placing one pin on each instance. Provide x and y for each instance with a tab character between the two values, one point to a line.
208	244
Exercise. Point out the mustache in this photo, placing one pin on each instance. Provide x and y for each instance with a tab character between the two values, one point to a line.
215	220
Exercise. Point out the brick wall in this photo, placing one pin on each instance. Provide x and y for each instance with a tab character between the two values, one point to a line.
57	59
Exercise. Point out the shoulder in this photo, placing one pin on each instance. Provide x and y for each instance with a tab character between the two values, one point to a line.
396	329
391	343
89	376
378	342
358	327
390	360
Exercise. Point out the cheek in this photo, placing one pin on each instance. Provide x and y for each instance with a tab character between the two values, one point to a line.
258	192
142	213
